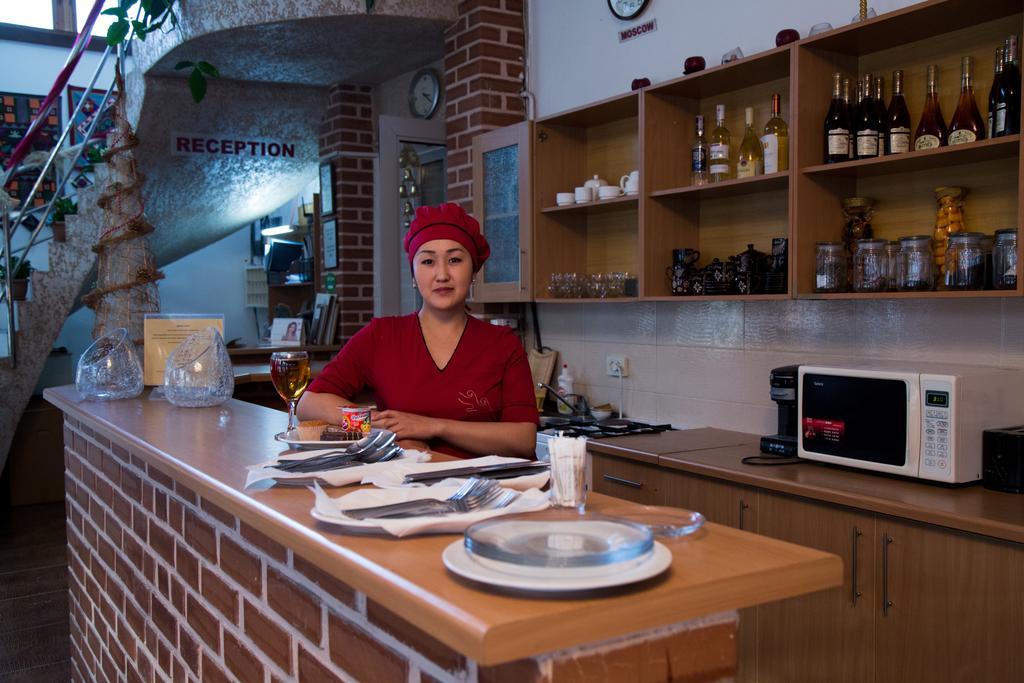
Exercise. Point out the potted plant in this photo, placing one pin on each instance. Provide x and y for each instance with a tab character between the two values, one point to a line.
94	154
64	206
19	284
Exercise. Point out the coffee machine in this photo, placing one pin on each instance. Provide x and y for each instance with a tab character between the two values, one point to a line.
785	391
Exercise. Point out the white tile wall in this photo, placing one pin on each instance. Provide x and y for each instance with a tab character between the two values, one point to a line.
707	363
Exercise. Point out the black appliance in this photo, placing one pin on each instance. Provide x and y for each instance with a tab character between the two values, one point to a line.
1002	459
785	391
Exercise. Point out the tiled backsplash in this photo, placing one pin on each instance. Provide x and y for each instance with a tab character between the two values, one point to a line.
707	363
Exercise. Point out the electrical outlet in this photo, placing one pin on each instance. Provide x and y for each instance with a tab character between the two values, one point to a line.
618	366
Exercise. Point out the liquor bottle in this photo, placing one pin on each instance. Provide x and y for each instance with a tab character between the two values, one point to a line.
751	159
1009	89
931	130
898	139
850	114
993	96
881	114
775	140
967	124
867	122
699	156
837	125
720	167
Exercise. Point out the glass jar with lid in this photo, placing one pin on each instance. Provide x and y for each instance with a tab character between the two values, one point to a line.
915	264
892	265
869	266
830	267
948	220
965	261
1004	259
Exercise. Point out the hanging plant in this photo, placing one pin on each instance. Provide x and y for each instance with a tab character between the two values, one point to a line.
150	16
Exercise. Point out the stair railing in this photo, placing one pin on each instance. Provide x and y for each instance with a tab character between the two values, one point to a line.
11	264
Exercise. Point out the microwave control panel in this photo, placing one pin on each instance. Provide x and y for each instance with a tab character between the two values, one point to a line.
936	429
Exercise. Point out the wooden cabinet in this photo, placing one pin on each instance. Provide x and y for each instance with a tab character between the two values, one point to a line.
955	606
602	139
902	185
502	203
824	636
918	602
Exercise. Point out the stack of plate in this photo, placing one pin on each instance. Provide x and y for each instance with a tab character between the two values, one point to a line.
554	552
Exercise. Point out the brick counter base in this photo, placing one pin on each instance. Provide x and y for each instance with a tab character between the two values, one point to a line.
165	585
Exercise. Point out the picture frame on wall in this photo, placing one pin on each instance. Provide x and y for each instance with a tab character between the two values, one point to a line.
326	189
330	230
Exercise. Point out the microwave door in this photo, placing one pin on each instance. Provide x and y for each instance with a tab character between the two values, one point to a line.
859	421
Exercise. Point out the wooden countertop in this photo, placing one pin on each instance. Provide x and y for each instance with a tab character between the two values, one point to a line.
260	372
970	508
718	569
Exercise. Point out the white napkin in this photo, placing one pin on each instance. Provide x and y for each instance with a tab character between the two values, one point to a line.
393	477
332	510
342	477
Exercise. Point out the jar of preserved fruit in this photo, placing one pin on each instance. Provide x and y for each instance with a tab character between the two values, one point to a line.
1004	259
869	266
857	212
830	267
949	219
915	264
965	261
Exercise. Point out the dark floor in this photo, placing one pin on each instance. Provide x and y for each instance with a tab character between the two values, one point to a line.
34	639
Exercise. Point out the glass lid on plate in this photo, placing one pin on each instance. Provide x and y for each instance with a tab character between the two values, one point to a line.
662	521
554	539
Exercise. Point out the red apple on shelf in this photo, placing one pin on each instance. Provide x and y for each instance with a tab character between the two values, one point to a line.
693	64
786	36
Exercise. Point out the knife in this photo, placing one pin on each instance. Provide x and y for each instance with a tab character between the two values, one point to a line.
505	470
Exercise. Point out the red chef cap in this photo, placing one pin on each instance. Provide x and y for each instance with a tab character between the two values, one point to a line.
447	222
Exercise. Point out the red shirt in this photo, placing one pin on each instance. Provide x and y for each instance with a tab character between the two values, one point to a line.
487	378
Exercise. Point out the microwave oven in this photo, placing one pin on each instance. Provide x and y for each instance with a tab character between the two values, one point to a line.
920	420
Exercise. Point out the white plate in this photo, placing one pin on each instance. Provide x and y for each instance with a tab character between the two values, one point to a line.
460	562
284	438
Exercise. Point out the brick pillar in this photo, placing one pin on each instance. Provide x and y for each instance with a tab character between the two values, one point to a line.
347	127
483	60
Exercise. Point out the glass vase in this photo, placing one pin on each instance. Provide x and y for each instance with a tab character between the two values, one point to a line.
198	373
109	369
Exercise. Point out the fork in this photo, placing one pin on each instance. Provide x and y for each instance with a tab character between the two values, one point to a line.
474	494
373	451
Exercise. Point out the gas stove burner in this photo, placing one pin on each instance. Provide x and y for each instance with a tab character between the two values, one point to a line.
609	428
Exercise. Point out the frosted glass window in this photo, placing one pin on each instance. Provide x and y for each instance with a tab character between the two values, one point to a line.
501	213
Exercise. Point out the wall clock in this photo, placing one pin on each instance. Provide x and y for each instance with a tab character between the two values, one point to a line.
627	9
424	93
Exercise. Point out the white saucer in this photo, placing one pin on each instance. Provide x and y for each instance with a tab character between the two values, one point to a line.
299	443
560	580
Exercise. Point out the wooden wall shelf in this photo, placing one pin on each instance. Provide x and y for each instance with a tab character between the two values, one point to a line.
729	188
1007	147
653	129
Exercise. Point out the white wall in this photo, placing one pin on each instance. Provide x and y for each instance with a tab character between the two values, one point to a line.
575	55
31	69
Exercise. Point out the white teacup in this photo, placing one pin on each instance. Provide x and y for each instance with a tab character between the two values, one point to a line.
584	195
609	191
563	198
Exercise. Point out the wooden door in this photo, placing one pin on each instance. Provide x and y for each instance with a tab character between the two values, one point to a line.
502	204
824	636
727	504
954	606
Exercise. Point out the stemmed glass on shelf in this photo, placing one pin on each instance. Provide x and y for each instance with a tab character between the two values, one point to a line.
289	371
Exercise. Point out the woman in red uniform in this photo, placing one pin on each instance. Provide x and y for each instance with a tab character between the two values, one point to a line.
442	379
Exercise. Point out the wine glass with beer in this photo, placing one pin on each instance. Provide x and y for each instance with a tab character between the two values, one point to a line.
289	371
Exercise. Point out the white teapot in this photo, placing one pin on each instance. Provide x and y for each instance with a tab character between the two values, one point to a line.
595	183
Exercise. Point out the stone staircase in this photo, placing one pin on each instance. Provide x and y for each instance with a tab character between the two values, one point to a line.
52	295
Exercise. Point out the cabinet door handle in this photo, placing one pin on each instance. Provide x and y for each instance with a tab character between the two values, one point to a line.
854	593
522	268
624	482
743	509
886	602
